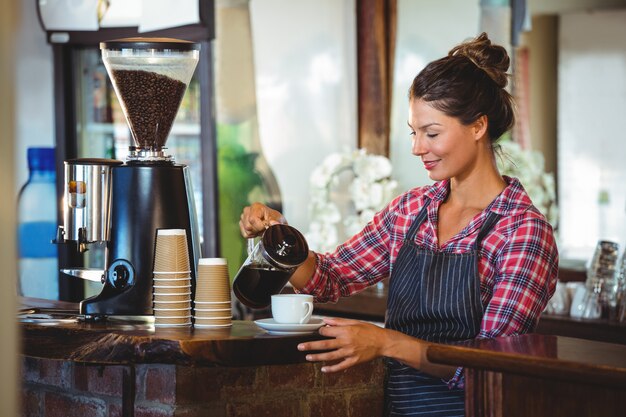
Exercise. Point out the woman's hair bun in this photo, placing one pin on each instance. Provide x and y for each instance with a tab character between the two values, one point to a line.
493	59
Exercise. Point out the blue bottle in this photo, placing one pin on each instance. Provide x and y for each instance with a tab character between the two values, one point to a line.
37	224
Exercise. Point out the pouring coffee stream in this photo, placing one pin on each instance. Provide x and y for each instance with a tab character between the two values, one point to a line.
270	263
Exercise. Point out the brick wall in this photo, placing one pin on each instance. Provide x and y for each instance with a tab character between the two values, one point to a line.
53	388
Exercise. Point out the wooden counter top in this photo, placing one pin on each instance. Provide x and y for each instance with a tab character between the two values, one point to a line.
244	344
130	368
118	341
547	357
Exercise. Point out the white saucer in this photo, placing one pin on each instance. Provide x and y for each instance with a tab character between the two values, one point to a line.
280	328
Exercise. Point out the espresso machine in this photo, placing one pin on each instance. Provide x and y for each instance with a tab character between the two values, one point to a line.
122	205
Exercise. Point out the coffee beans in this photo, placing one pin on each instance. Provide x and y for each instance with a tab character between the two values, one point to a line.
151	102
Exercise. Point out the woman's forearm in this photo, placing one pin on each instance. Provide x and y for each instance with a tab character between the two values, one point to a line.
412	352
304	272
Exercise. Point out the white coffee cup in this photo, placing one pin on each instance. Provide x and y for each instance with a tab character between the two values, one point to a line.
292	308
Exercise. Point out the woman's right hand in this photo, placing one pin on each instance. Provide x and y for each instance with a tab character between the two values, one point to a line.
258	217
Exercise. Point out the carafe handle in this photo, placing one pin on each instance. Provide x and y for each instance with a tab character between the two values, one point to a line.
250	247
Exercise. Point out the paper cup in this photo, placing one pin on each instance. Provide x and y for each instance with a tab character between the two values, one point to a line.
167	324
212	287
178	288
182	296
171	274
211	304
163	321
212	326
227	318
209	262
212	314
172	304
172	292
222	306
171	252
212	281
212	296
212	321
171	313
180	282
168	307
170	317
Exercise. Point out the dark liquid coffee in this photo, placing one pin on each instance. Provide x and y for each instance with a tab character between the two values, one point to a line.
254	286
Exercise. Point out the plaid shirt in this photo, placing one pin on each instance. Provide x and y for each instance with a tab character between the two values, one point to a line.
518	258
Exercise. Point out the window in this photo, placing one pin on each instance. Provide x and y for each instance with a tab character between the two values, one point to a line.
591	126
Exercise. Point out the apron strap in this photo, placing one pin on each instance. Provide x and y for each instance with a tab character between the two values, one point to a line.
490	221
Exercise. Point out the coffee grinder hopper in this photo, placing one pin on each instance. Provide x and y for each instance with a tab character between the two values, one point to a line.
150	77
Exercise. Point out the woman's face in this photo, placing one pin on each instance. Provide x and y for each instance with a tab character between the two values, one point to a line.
447	148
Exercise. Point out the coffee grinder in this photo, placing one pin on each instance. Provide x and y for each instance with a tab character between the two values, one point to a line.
124	203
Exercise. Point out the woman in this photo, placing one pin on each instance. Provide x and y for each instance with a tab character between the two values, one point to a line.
467	257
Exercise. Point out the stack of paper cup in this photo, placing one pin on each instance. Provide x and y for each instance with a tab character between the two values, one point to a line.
212	306
172	279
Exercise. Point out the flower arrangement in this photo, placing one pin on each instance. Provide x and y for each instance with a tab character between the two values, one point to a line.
529	167
347	189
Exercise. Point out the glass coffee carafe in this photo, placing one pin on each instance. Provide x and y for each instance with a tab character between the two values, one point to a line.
271	261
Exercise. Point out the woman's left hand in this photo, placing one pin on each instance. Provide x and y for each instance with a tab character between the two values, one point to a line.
353	342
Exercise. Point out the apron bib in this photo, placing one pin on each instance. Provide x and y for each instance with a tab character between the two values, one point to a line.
433	296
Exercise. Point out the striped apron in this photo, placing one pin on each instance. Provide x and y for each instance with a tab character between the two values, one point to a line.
433	296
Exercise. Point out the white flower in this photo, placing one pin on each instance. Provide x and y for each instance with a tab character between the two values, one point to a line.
368	188
328	211
319	178
372	167
318	236
366	215
352	225
389	190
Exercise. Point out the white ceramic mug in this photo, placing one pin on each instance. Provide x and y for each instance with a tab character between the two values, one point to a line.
292	308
